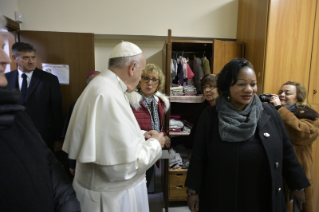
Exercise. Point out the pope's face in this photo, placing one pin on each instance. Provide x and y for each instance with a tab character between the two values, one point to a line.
138	71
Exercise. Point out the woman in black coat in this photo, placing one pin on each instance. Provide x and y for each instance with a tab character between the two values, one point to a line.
242	151
31	179
210	92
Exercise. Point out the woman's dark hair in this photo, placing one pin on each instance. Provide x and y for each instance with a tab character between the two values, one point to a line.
209	79
228	76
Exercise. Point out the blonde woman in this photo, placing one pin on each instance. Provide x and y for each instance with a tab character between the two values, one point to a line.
149	104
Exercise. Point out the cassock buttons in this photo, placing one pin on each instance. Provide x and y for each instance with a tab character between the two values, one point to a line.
278	190
266	135
277	164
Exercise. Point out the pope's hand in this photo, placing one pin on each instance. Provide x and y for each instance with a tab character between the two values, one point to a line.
149	134
158	136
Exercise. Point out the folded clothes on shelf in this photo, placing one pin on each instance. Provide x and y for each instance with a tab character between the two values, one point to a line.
175	124
175	160
176	117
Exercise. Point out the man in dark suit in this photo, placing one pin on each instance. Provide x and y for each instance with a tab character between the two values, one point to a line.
41	94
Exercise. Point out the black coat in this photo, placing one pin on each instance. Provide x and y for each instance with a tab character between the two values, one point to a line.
198	112
43	103
31	179
213	167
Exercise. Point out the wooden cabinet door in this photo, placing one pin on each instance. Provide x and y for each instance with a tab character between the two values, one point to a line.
314	70
289	43
74	49
252	30
166	66
225	51
315	174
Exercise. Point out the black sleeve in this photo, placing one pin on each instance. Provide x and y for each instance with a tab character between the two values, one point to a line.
63	192
199	154
292	171
199	110
56	108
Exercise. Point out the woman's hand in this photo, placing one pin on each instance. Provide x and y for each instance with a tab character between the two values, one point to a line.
274	100
193	202
167	141
72	171
299	196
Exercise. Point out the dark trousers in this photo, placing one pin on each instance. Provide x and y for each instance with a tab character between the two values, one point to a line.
149	175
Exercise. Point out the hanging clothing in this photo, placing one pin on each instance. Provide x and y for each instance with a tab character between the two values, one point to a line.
190	73
180	73
205	66
198	71
173	69
184	64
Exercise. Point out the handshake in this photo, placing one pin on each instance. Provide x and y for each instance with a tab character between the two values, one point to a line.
163	140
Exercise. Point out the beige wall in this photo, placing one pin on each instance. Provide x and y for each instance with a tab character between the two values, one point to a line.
152	50
7	8
128	20
189	18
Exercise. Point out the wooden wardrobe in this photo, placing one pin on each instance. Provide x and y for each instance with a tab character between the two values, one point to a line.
282	42
221	51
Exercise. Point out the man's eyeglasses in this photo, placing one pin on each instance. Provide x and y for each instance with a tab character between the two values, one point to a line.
147	79
210	87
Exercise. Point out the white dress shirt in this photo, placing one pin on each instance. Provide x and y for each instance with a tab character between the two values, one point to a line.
20	79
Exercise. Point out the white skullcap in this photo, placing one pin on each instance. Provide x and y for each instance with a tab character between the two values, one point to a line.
125	49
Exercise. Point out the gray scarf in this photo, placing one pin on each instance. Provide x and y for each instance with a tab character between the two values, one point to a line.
150	104
236	125
292	108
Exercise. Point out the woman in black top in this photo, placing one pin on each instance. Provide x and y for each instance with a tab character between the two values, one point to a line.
210	92
242	151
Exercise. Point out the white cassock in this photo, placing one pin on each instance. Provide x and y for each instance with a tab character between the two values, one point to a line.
109	146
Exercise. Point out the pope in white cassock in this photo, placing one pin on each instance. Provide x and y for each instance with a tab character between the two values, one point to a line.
103	136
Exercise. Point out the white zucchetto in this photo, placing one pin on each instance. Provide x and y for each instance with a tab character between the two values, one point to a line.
125	49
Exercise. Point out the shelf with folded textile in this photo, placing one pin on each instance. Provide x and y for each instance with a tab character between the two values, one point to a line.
185	62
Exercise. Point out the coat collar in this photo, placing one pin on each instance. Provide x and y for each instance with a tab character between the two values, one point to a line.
135	98
12	78
35	80
262	120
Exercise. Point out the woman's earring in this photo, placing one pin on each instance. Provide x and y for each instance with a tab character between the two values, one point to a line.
228	98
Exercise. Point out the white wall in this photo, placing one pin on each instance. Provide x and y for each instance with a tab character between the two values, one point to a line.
7	8
152	51
188	18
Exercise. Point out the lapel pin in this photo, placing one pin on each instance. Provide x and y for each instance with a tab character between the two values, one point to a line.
266	135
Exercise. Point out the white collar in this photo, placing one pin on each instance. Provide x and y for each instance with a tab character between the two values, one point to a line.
122	84
29	74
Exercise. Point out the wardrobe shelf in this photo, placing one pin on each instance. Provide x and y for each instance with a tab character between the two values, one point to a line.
187	99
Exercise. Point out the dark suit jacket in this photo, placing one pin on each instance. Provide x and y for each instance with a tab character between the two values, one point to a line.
43	103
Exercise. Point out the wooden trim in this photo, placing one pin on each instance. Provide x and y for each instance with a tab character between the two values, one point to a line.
169	36
12	25
192	41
